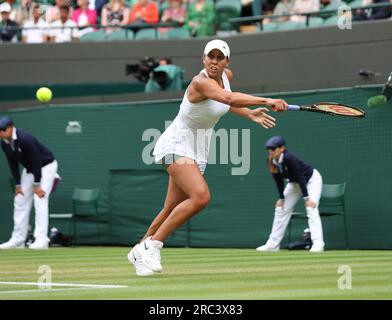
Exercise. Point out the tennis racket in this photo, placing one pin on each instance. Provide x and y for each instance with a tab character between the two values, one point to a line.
330	108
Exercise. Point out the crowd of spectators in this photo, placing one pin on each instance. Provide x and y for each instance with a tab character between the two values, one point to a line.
291	7
68	20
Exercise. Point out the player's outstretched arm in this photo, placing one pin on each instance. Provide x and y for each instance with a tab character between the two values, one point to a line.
209	88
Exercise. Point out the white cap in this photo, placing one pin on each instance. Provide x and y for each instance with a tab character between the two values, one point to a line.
218	44
5	7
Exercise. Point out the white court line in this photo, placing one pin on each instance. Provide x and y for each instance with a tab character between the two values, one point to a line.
80	285
43	290
74	286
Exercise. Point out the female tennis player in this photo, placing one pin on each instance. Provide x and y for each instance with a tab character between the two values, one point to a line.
303	180
183	149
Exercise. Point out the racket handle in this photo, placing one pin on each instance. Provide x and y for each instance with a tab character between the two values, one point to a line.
293	107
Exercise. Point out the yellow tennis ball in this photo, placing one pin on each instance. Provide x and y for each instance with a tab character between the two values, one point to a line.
44	94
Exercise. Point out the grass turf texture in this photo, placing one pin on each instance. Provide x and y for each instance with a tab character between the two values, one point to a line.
191	273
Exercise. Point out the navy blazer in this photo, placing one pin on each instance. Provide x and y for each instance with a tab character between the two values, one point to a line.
295	170
29	152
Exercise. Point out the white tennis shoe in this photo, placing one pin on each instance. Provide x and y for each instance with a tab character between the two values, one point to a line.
267	247
150	252
11	244
135	258
316	249
39	245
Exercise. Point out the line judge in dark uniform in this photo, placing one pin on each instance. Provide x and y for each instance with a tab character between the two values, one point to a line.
33	184
302	181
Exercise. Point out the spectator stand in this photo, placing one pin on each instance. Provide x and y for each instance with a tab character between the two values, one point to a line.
313	19
322	18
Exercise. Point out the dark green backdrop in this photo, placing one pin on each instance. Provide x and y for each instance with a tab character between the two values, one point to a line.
108	153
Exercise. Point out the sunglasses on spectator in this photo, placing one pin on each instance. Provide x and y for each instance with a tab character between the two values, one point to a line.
272	148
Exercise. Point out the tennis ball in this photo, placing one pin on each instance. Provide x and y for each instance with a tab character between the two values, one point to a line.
44	94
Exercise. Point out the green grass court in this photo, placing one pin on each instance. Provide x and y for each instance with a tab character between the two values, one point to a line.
189	273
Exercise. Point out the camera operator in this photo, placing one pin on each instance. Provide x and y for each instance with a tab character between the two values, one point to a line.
142	71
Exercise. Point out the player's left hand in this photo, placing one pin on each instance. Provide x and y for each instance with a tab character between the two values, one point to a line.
39	192
310	204
259	116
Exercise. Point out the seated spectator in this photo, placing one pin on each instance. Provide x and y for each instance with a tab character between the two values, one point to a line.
144	11
251	8
14	7
64	29
269	5
36	29
8	28
174	13
115	13
246	8
200	18
53	13
84	17
304	6
99	4
373	13
24	12
282	7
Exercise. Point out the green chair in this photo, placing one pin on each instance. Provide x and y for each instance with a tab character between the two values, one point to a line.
290	25
121	35
146	34
94	36
176	33
332	6
331	21
332	203
272	26
84	207
315	22
356	4
225	10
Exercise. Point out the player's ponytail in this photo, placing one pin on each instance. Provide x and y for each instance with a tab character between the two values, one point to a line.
271	166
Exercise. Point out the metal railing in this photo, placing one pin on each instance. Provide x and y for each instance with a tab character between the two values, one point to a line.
344	8
97	27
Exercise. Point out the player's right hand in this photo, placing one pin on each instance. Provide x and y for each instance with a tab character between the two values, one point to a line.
278	105
18	190
279	203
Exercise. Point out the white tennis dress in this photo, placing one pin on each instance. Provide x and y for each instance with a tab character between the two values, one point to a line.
189	135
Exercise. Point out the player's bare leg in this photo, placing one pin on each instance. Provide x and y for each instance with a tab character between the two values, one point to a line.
186	175
174	196
188	178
